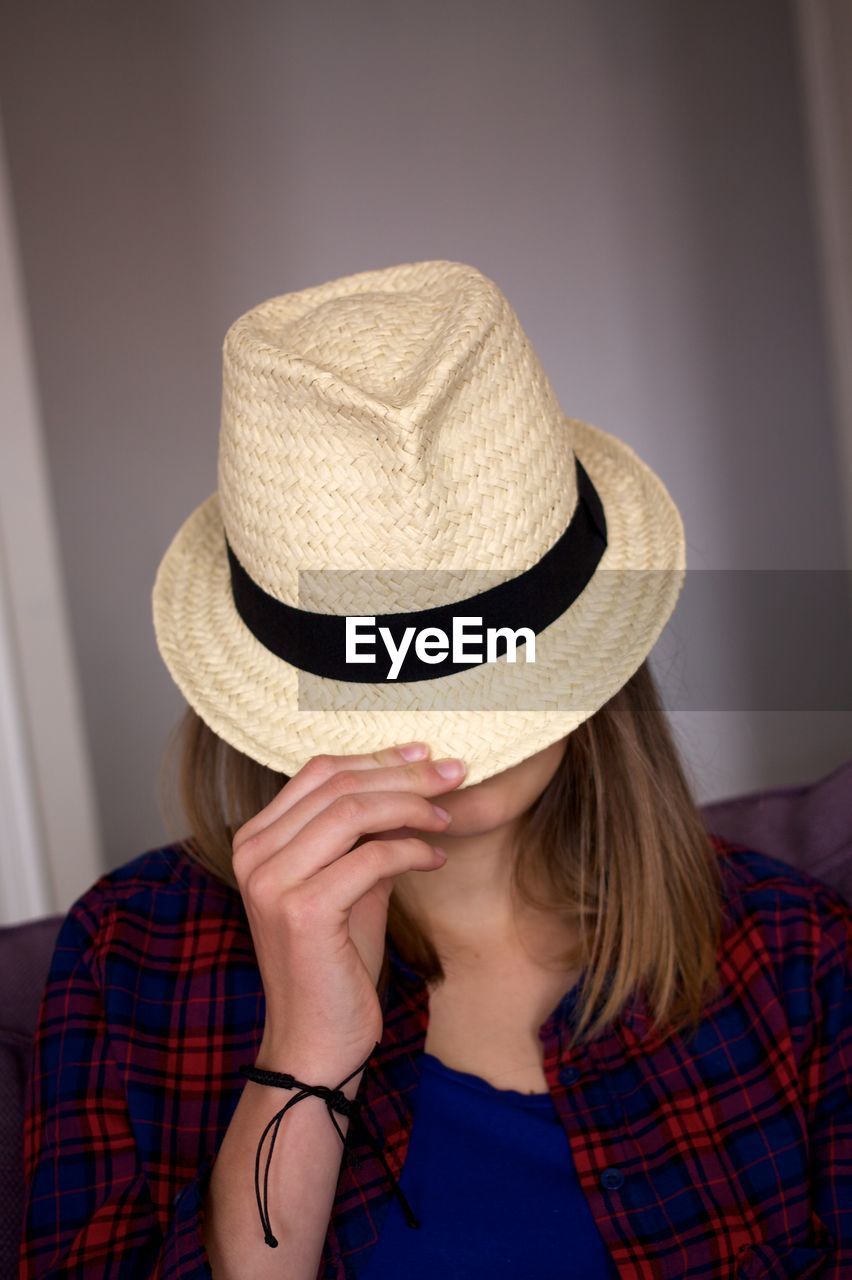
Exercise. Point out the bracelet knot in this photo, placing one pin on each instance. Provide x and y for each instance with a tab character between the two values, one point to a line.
335	1100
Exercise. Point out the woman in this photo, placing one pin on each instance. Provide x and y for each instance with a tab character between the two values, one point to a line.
591	1039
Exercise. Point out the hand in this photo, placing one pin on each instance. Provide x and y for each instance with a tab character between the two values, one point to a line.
316	895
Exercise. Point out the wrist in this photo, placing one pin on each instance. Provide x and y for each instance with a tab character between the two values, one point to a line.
314	1065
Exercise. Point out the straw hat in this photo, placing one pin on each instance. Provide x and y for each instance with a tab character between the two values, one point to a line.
390	445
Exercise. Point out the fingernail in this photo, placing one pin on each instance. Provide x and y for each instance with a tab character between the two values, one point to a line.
413	750
450	768
442	813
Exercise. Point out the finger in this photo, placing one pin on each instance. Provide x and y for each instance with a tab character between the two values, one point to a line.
337	888
335	830
318	770
331	834
348	818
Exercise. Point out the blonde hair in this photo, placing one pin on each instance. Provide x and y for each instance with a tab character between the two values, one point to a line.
616	839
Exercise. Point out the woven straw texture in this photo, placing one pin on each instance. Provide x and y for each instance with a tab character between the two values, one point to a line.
399	421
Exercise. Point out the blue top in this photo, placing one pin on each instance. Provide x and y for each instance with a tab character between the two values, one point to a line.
489	1175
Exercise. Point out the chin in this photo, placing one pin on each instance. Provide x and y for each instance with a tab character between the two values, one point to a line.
478	802
502	797
482	807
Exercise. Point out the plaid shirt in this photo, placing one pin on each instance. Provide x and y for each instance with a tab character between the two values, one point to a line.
726	1156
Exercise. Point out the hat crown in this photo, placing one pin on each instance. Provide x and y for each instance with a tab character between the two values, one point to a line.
395	419
396	425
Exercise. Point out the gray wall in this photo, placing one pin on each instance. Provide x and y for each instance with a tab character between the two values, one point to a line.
633	173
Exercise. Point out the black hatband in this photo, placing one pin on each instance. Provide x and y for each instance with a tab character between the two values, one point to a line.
316	643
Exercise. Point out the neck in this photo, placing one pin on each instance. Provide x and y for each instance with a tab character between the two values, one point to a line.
467	908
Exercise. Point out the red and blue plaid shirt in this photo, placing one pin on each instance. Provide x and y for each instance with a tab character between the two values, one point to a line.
726	1155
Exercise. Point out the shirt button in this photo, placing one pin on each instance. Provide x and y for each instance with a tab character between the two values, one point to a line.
612	1178
569	1075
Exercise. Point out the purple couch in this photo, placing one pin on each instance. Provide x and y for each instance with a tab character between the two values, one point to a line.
808	826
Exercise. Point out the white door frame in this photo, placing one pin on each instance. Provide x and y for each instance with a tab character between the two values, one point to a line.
825	56
49	840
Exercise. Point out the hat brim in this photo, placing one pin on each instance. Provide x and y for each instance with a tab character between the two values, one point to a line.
250	697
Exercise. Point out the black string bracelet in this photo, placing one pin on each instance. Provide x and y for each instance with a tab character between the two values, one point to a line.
335	1100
